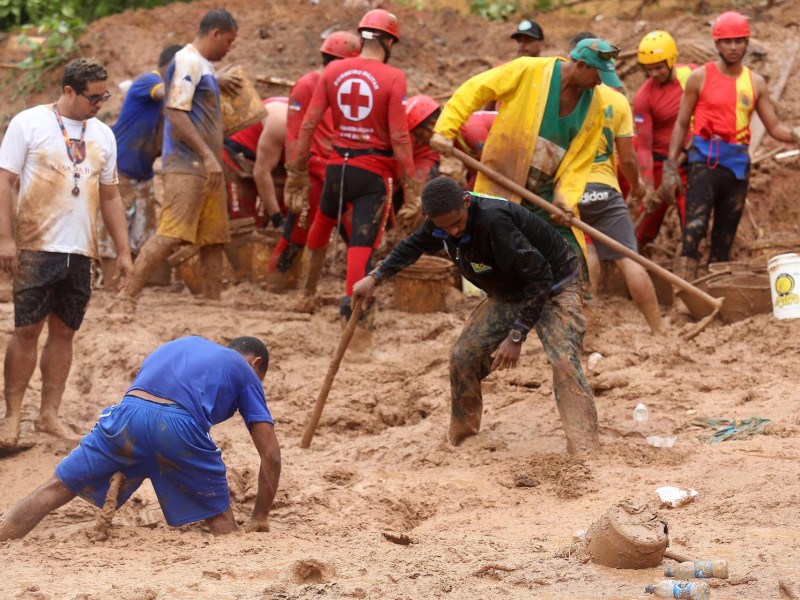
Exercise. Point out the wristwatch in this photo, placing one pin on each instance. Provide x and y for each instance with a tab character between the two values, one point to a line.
516	336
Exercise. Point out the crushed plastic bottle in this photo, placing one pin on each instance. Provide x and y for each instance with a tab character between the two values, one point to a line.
661	442
641	413
702	569
591	362
687	590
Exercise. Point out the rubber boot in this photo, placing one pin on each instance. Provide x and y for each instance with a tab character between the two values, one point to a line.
686	268
312	263
287	269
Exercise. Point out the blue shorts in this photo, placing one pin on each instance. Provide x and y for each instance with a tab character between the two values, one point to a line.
147	439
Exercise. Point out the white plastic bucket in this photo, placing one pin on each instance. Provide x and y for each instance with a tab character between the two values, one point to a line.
784	284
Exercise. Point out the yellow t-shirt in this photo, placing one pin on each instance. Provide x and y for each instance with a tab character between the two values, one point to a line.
617	123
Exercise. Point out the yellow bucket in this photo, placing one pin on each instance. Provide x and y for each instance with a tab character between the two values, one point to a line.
784	283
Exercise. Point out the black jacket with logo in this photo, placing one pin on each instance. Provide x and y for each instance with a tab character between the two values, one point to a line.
506	251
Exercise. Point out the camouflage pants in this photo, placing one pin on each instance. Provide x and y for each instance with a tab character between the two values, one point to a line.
561	328
139	200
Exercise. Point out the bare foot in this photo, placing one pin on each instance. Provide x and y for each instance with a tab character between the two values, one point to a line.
9	434
54	427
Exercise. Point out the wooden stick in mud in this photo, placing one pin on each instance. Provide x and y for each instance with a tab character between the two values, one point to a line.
597	236
347	335
677	557
103	524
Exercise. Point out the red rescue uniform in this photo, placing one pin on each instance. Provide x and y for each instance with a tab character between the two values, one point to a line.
371	143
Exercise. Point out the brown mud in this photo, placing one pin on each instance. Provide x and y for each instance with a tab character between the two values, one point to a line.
486	519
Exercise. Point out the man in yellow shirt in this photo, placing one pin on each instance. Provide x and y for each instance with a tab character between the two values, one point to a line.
547	129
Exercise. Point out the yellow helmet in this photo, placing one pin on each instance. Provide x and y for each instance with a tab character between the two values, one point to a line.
658	46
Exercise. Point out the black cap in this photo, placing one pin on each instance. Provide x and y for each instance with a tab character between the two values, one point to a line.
530	28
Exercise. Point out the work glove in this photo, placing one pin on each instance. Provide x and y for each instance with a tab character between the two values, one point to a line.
441	144
296	189
671	183
411	211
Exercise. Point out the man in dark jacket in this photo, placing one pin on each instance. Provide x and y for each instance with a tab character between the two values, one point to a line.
532	279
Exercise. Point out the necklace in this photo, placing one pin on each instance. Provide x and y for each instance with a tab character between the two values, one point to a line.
74	152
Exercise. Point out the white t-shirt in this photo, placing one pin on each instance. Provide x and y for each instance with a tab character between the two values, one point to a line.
49	217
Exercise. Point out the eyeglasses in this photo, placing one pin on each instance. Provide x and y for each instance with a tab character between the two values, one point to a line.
97	99
606	54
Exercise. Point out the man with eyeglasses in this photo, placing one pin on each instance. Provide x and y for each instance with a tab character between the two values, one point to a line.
65	162
195	209
547	129
718	103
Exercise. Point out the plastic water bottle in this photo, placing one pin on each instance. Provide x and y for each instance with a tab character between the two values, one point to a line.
702	569
594	358
641	413
688	590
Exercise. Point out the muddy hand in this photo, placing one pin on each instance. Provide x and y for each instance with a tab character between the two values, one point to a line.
565	218
296	189
213	172
441	144
257	525
9	261
671	183
124	271
229	83
507	355
364	288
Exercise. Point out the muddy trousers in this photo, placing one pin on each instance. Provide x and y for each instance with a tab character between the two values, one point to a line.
561	328
716	190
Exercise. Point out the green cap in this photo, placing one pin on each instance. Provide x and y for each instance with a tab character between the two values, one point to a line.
599	55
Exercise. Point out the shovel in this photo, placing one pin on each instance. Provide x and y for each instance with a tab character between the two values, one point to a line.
713	303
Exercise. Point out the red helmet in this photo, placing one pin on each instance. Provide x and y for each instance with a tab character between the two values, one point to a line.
730	25
419	108
342	44
381	20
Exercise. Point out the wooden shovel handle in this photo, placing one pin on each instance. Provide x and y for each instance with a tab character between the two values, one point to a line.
596	235
344	341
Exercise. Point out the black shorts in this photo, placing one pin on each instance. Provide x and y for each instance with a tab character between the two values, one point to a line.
52	282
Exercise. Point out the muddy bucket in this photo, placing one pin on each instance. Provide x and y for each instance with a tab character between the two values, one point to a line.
422	287
746	294
697	307
244	109
784	285
628	537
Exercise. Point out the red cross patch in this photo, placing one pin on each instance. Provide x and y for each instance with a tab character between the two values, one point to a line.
355	99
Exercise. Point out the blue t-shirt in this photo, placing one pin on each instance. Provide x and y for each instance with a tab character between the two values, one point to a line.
138	128
192	87
208	380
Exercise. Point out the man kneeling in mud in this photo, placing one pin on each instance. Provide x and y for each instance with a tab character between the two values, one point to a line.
532	279
160	431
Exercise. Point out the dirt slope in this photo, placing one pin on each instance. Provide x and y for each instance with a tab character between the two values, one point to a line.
379	462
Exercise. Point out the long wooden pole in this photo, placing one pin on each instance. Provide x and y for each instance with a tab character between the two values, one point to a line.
596	235
347	335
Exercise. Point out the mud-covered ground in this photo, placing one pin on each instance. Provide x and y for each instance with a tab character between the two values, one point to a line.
379	462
